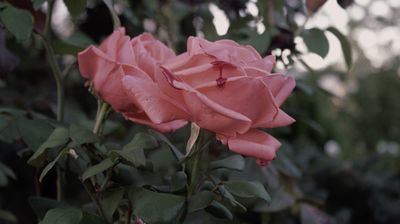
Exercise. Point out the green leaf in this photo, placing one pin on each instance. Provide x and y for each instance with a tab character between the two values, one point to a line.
51	164
75	7
63	216
7	216
219	210
281	200
3	179
134	158
155	207
200	201
34	132
286	166
61	47
92	219
12	111
316	41
57	138
73	44
41	205
3	123
245	189
18	21
260	42
346	46
37	3
98	168
229	197
110	202
7	171
178	155
178	181
143	141
234	162
81	135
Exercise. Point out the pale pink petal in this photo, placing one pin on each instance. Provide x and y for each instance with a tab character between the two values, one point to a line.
254	143
158	107
141	118
281	119
117	46
262	66
281	86
245	95
222	50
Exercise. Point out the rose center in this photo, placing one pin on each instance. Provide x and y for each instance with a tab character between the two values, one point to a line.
220	80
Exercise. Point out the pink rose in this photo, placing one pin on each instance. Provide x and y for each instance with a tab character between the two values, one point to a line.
229	89
122	73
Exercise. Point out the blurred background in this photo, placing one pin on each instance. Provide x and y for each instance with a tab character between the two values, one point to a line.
340	162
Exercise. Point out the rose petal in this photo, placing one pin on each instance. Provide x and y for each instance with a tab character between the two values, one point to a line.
247	96
141	118
280	85
254	143
150	52
223	50
281	119
207	113
118	47
158	107
264	65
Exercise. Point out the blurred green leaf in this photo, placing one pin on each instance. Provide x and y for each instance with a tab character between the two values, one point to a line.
219	210
155	207
178	155
41	205
3	179
3	123
246	189
7	216
286	166
143	141
18	21
110	202
281	200
316	41
7	171
178	181
233	162
34	132
200	201
346	46
98	168
75	7
57	138
51	164
63	216
73	44
81	135
92	219
134	157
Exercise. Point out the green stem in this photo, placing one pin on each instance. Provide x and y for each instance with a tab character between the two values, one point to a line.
89	189
194	173
51	57
115	18
57	74
101	115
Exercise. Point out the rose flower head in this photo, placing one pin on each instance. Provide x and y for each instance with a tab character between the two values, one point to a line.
230	89
122	72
